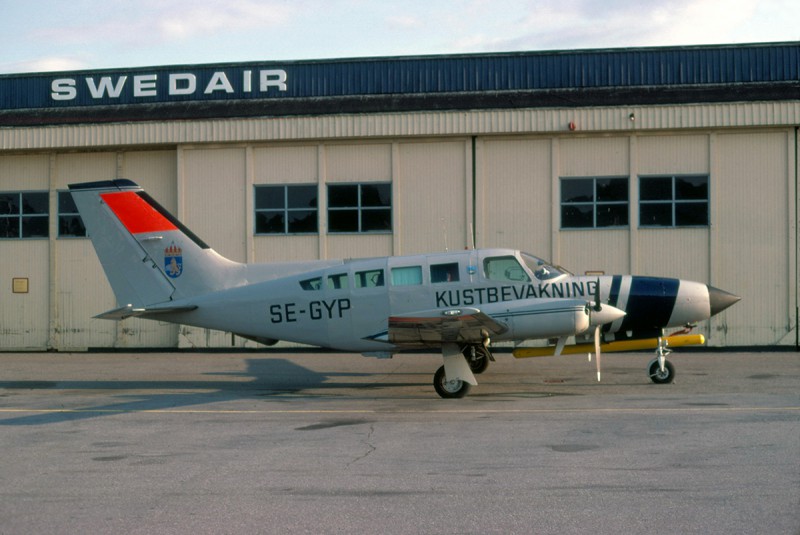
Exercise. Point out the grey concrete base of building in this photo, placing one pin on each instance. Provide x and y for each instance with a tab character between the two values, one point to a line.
338	443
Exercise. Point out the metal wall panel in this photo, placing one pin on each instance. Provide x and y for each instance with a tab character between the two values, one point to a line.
82	292
751	251
593	156
513	197
431	203
24	316
362	162
594	250
212	187
681	154
24	172
294	164
574	69
359	246
451	123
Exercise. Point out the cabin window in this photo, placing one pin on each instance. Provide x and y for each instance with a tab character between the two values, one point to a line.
359	208
673	201
25	214
286	209
595	202
311	284
504	269
337	282
407	276
444	272
369	279
70	224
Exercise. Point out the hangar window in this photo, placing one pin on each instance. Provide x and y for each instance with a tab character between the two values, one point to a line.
70	224
24	214
595	202
286	209
673	201
360	208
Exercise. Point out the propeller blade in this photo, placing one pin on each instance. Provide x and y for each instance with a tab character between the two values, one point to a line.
597	306
597	350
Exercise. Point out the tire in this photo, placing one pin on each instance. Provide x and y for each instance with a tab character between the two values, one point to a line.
478	361
449	389
657	376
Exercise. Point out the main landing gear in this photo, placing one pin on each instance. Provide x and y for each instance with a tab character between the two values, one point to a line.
660	370
457	375
449	389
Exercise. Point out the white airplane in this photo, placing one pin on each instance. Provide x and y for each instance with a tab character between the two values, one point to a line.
456	302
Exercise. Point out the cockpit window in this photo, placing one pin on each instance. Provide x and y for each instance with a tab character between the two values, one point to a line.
542	270
504	268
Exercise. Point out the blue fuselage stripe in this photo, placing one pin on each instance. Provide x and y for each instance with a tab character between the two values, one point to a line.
650	303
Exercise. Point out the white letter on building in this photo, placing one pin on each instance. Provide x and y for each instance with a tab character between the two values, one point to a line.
63	89
145	85
247	81
106	86
218	82
191	84
273	78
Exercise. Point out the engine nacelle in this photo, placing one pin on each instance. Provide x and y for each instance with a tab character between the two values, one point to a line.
540	318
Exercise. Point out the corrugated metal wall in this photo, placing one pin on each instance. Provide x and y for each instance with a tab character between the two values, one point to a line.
748	249
574	69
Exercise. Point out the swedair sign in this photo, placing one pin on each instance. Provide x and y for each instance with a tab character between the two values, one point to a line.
182	84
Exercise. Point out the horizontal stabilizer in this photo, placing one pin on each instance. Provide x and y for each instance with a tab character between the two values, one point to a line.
129	311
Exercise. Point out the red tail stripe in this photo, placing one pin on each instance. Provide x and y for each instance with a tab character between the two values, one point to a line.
135	213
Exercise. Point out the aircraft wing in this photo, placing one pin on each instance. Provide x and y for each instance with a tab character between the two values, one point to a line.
442	326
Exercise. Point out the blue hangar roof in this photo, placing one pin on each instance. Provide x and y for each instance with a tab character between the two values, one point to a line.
660	75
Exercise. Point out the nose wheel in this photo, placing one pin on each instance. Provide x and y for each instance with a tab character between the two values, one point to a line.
660	370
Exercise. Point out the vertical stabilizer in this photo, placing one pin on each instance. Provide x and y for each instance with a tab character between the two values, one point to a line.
148	255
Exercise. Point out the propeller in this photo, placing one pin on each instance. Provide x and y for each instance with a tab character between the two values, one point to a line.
597	350
600	316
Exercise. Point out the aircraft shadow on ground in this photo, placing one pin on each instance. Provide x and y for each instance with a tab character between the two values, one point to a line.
269	378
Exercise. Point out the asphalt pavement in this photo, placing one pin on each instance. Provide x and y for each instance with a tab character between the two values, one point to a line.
271	442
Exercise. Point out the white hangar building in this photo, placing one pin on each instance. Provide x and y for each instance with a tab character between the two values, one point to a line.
676	161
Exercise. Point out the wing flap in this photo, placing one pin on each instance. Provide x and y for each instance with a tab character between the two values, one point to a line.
442	326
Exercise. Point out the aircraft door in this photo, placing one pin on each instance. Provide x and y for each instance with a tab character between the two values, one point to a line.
368	300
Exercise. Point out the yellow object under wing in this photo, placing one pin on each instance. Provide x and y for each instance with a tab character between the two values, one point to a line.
621	345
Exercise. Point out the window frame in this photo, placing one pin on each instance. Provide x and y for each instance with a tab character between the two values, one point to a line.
64	214
285	211
21	215
360	209
595	204
674	201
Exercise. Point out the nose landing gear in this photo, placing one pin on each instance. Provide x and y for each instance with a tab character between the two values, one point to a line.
660	370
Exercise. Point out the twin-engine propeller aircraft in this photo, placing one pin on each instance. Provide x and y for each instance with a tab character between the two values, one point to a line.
454	301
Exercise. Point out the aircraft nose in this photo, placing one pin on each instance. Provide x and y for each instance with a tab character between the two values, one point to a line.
720	299
606	314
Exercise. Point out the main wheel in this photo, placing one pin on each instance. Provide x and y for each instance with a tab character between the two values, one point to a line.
478	361
659	377
449	389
